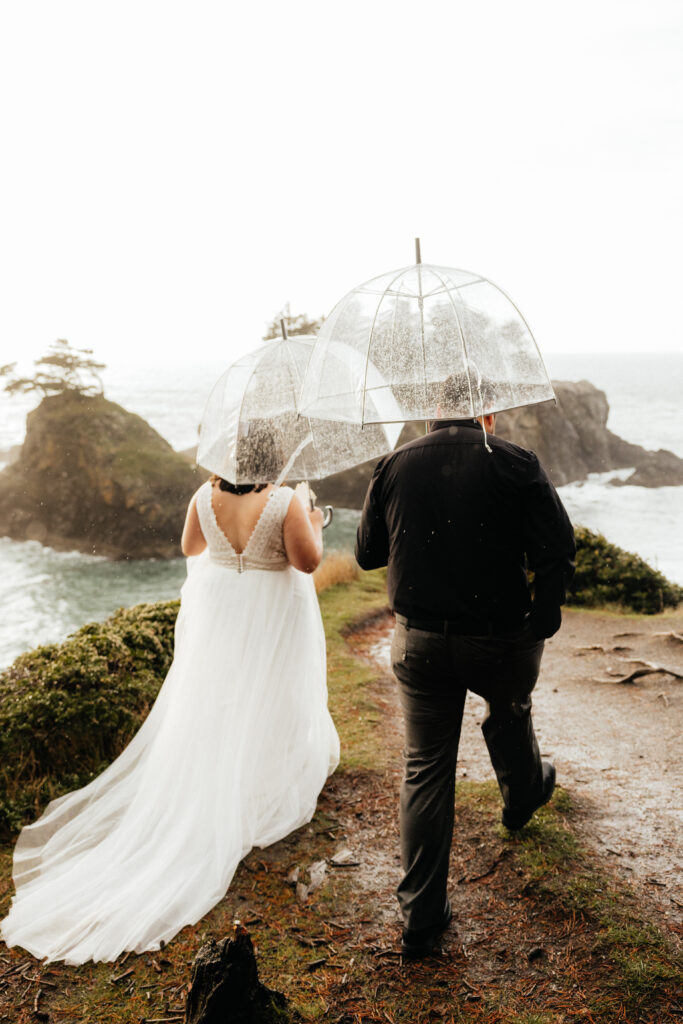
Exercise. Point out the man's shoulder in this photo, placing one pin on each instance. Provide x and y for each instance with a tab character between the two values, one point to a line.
515	451
458	437
399	455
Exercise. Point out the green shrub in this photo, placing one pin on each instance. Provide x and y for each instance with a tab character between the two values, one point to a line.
606	574
66	710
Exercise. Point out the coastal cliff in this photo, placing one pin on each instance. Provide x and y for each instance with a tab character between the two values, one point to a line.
95	478
571	439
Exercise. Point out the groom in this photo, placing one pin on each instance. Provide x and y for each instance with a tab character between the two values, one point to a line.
458	516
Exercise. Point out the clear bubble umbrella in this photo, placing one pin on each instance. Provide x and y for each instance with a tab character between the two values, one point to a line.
251	430
425	342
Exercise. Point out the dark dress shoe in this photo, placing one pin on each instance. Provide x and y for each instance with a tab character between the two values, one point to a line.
517	818
417	943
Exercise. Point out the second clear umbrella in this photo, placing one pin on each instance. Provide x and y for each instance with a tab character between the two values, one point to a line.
251	430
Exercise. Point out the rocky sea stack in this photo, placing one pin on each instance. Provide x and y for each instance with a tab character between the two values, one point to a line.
95	478
572	440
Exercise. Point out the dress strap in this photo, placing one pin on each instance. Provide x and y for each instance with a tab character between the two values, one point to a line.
207	519
285	495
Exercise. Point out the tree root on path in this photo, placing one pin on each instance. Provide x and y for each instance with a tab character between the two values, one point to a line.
671	635
649	669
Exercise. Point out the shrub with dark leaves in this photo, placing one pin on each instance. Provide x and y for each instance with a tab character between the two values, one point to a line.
67	710
606	574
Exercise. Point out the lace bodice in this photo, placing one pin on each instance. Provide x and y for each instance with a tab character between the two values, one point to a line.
265	548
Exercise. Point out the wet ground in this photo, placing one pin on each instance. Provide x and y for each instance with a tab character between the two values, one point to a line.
616	747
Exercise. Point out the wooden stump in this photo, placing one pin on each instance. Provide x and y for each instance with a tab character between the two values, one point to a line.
225	988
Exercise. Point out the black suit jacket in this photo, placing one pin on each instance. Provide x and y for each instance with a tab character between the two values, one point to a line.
458	526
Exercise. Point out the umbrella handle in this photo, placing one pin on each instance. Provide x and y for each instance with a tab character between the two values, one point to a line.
329	516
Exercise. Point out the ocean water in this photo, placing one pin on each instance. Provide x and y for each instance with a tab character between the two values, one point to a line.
45	595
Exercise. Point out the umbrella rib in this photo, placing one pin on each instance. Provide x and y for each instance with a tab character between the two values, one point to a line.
367	353
373	423
421	307
294	369
462	338
531	335
239	415
454	288
316	457
343	394
387	291
397	296
468	284
507	408
436	291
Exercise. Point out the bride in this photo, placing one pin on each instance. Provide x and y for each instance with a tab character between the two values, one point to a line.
232	755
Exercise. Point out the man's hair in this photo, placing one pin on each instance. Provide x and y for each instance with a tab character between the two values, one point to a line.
466	392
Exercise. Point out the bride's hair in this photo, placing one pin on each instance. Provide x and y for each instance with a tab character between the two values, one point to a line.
225	485
257	449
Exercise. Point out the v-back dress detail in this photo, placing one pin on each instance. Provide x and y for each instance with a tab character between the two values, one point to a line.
232	755
265	548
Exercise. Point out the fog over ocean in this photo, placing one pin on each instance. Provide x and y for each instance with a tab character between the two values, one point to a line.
46	594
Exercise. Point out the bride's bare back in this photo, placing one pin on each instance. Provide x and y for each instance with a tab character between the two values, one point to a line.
238	515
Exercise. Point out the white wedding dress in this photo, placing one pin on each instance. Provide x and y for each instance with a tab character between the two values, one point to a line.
232	755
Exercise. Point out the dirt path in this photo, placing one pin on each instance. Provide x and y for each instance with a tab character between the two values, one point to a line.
616	747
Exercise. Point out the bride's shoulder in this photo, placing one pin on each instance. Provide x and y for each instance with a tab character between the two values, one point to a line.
199	495
201	500
202	492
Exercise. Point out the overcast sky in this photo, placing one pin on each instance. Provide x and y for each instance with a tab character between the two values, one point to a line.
173	173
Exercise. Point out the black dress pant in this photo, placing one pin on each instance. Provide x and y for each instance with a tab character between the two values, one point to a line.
434	672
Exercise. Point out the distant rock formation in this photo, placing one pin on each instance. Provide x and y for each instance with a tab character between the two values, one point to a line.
571	439
661	469
95	478
9	455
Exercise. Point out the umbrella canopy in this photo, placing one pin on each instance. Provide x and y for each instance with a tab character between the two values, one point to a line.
425	342
251	430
